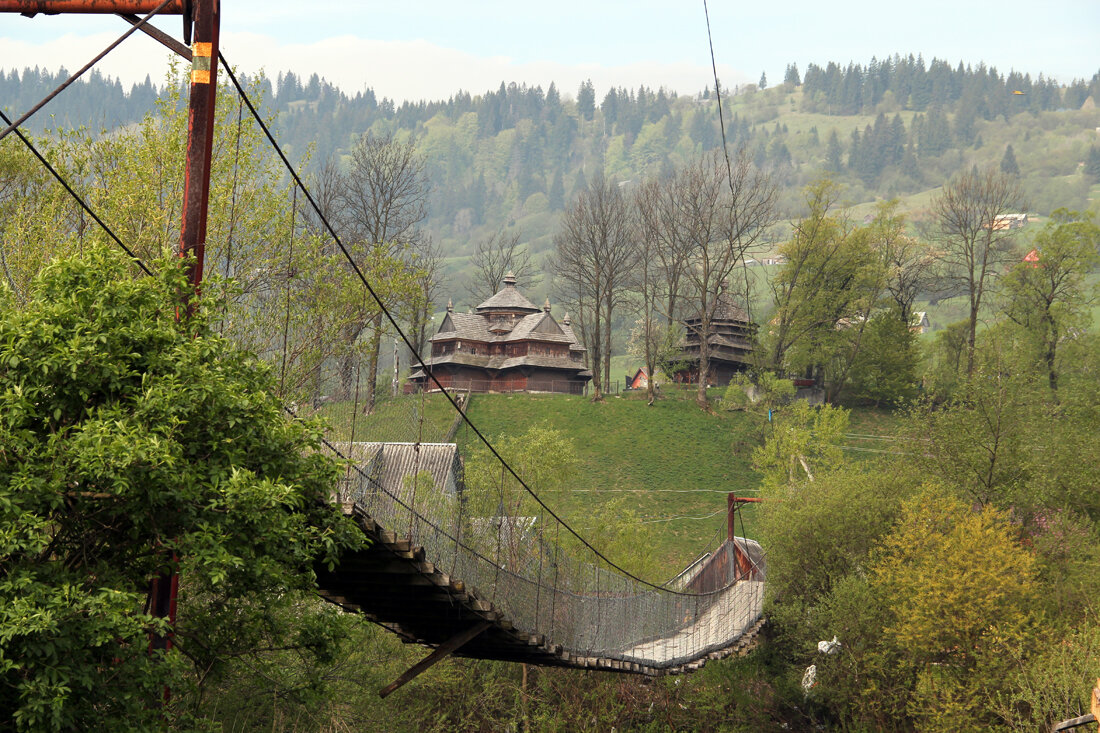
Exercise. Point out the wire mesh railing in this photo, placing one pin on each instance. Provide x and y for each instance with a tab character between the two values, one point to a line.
320	312
543	585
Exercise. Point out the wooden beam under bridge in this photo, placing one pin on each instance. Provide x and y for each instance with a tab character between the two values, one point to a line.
444	650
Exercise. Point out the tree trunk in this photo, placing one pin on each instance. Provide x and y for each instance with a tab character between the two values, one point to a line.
607	346
650	357
971	338
372	368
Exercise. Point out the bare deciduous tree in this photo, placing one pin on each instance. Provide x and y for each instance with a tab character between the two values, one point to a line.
429	264
975	235
494	258
326	184
658	210
715	214
658	279
385	193
383	202
595	259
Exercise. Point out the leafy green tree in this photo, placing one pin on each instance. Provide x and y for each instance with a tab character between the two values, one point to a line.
804	441
1049	298
765	390
546	460
944	361
824	293
1051	683
133	444
907	261
818	551
884	371
988	596
979	442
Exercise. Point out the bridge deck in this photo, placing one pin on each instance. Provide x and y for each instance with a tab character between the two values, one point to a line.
395	585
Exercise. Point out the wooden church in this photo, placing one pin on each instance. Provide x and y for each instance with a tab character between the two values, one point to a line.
730	341
508	344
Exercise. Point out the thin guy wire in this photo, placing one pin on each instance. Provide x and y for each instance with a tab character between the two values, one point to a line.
725	144
405	338
75	195
27	115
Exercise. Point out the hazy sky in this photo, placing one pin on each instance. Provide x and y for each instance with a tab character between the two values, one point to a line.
429	49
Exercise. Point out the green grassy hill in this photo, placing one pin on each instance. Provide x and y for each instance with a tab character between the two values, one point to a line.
675	462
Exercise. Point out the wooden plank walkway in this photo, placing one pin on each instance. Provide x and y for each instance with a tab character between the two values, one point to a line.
396	586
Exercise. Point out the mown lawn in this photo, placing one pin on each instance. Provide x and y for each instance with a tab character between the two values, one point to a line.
406	418
675	461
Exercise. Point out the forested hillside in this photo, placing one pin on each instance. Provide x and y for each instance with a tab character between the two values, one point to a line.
879	191
515	156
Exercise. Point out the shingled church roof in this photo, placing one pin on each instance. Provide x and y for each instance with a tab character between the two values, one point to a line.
725	309
508	299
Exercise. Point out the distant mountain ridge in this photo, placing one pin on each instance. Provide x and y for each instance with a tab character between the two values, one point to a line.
514	156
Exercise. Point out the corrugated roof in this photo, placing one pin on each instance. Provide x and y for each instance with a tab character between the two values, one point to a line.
391	467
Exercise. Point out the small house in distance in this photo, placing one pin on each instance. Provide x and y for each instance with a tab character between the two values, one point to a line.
730	341
508	344
919	323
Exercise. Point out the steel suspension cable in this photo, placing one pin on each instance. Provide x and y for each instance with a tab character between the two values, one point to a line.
408	342
75	195
12	126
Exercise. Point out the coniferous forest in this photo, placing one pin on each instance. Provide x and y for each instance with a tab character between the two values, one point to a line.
514	157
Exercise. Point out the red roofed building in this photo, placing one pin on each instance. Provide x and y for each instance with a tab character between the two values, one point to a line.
507	345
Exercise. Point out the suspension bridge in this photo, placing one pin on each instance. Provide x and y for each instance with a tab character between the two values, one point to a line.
506	587
469	579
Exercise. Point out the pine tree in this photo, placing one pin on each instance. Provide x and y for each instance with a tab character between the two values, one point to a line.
833	152
1008	162
553	99
909	166
791	77
763	81
581	184
586	100
1092	163
556	195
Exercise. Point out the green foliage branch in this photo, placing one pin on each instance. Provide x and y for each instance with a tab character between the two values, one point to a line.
132	444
